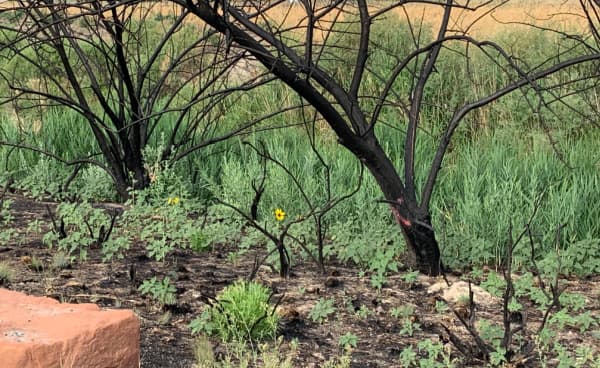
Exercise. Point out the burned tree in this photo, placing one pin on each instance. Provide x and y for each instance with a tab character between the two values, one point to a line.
304	53
129	71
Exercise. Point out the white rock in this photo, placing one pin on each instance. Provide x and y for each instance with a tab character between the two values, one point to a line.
460	291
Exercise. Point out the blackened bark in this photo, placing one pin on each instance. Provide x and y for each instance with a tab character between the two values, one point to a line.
135	165
423	247
414	221
284	261
129	173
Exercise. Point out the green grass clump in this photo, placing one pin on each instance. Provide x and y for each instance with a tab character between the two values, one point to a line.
241	313
60	261
241	355
7	273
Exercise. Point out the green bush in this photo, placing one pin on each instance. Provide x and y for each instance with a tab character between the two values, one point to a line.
241	313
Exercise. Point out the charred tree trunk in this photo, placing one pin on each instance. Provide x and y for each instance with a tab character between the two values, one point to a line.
414	220
127	172
135	165
423	246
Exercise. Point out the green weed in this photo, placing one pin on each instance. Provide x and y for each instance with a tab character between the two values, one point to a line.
241	313
162	291
322	310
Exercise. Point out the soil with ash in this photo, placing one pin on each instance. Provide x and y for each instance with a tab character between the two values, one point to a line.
166	338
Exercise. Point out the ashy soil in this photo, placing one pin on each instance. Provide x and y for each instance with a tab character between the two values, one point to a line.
167	341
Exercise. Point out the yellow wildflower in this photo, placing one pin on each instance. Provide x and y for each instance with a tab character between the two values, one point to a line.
173	200
279	214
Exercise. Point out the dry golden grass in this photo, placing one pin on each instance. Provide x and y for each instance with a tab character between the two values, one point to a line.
485	22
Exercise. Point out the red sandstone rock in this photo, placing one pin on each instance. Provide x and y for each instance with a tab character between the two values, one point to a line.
37	332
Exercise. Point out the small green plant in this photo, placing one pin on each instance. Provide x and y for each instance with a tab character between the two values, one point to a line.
348	340
585	321
435	356
7	232
60	261
6	216
204	353
199	242
441	306
494	284
404	311
114	247
36	264
490	333
160	290
378	280
410	277
241	355
241	313
408	357
498	357
409	327
322	310
6	273
363	311
585	355
340	362
78	226
161	224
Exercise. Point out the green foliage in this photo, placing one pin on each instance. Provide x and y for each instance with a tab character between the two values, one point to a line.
580	258
409	327
163	226
441	306
348	340
78	238
340	362
584	356
7	273
199	242
581	321
490	332
499	162
410	277
498	178
406	313
84	225
241	313
7	232
494	284
364	311
435	356
408	357
36	264
322	310
60	261
373	245
241	355
44	179
162	291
